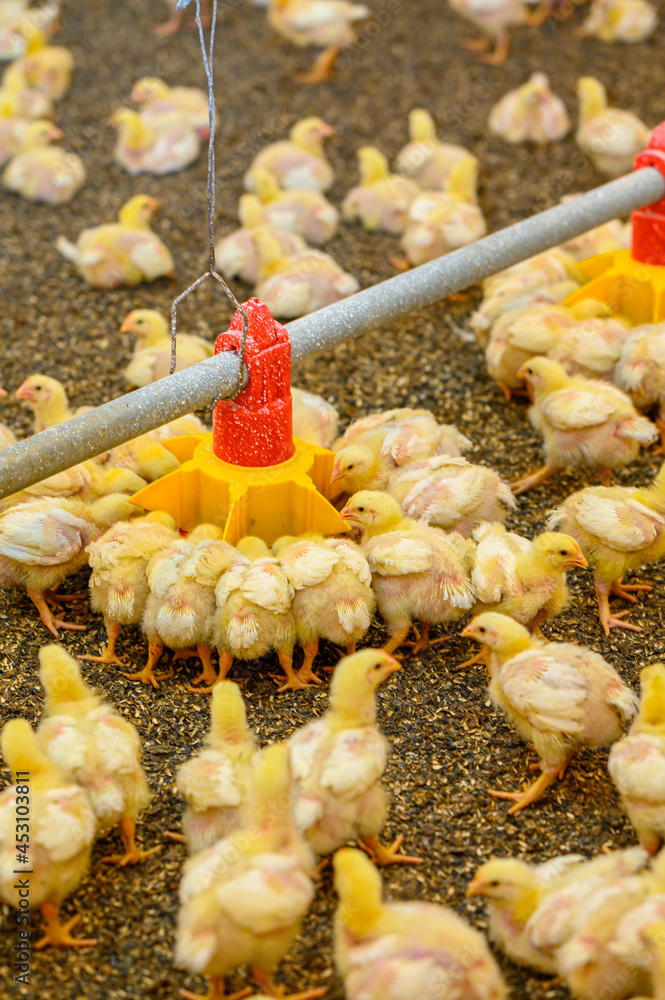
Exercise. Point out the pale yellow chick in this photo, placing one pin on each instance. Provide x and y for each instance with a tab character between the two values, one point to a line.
612	138
306	213
152	354
159	101
299	162
612	235
382	200
315	420
43	172
337	762
558	696
387	951
640	371
17	97
531	113
236	253
620	20
14	130
13	13
47	68
48	401
87	481
125	252
317	23
163	147
593	347
425	159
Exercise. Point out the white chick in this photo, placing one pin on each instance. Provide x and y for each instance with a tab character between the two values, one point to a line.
159	101
640	370
306	213
327	23
620	20
382	200
612	138
44	172
152	354
299	162
236	254
425	159
531	113
493	18
315	420
163	148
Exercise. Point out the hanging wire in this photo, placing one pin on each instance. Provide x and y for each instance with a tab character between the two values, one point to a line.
212	271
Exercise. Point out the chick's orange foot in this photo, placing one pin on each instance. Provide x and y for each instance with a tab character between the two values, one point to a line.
267	983
526	483
52	623
321	71
423	642
626	590
383	855
216	991
133	855
58	935
531	794
148	676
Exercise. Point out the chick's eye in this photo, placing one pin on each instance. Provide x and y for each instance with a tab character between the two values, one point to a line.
360	510
562	552
493	884
482	629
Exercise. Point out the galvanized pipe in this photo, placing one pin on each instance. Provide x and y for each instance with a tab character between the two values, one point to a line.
196	388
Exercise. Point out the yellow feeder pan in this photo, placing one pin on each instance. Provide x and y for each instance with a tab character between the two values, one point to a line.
250	476
632	282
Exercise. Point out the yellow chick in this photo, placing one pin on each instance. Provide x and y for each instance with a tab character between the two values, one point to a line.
43	172
302	283
48	401
152	354
59	838
531	113
146	456
637	762
610	137
159	101
620	20
382	200
317	23
215	781
559	696
13	131
254	615
584	422
125	252
94	747
19	99
453	222
337	762
419	574
333	597
593	347
46	68
44	541
493	18
299	163
236	253
315	420
619	528
13	13
87	481
640	371
425	159
163	148
243	899
306	213
118	582
384	951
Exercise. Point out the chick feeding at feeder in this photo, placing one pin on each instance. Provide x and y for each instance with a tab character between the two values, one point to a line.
382	200
158	101
165	147
337	762
611	137
493	18
640	372
236	254
43	172
531	113
559	696
307	213
62	830
152	354
425	159
323	24
125	252
299	162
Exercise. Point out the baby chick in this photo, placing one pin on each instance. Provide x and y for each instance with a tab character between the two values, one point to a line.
619	528
152	355
386	951
94	747
583	422
337	762
302	283
159	101
532	113
13	14
315	420
163	148
118	582
44	172
47	68
243	899
637	762
306	213
451	493
559	696
60	833
593	347
48	401
612	235
493	18
146	455
418	573
13	132
640	371
620	20
17	97
299	163
381	201
87	481
125	252
44	541
317	23
610	137
236	253
333	598
215	781
425	159
254	615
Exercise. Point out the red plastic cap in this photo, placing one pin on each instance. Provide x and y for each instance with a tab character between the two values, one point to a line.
255	429
649	223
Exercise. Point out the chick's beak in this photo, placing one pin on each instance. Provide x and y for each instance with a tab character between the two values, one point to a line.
3	392
578	560
127	326
55	133
348	515
25	392
475	888
391	665
336	473
468	631
325	130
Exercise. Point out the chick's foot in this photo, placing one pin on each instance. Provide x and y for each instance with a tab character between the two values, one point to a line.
208	675
216	991
108	653
531	794
383	855
626	590
500	54
266	981
58	935
322	69
423	641
306	673
606	618
133	855
526	483
52	623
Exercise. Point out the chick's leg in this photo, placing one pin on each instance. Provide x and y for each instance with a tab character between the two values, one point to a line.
531	794
526	483
266	981
383	855
216	991
322	69
482	657
293	680
133	854
625	590
306	672
208	675
56	934
423	642
607	619
501	50
396	640
148	675
475	44
170	27
52	623
109	654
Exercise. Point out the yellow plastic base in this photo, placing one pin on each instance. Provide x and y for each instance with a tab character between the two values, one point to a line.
635	290
285	499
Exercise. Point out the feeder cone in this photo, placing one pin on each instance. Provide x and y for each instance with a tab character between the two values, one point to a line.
250	476
632	282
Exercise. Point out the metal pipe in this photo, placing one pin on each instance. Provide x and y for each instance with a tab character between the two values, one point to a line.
195	388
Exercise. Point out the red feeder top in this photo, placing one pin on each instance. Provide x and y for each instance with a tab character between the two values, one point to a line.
649	223
255	428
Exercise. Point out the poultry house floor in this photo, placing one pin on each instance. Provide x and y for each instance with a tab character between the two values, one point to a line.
448	745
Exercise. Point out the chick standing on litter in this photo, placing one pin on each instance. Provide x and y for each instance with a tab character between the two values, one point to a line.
388	951
44	172
337	762
559	696
163	148
584	422
159	101
333	597
125	252
612	138
493	18
620	20
317	23
425	159
215	781
236	254
60	834
532	113
176	18
152	353
307	213
118	582
299	162
619	529
382	200
419	574
243	899
94	747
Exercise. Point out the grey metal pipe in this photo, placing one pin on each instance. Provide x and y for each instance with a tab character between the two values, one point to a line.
195	388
